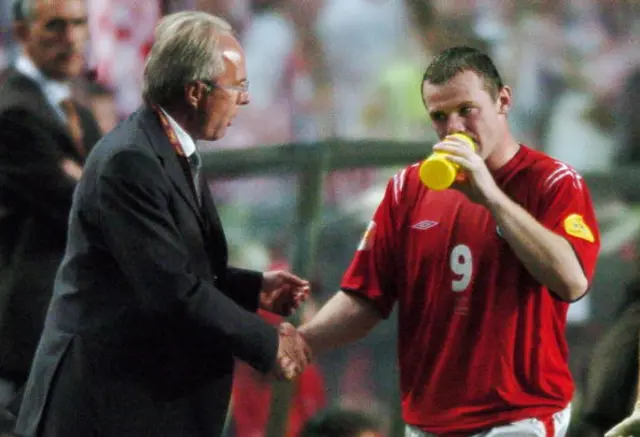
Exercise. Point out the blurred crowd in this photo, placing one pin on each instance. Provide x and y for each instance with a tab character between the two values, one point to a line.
351	69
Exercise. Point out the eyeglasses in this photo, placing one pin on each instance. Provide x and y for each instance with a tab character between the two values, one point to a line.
242	88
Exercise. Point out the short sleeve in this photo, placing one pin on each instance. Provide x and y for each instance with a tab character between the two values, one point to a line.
567	210
371	272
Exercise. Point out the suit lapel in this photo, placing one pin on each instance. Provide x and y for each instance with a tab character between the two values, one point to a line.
216	241
214	225
172	165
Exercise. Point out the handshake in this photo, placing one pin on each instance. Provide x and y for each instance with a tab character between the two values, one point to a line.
294	354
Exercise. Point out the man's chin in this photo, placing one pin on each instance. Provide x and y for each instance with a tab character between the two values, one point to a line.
217	135
66	74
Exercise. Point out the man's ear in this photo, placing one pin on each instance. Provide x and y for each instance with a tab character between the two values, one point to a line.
194	93
21	31
505	96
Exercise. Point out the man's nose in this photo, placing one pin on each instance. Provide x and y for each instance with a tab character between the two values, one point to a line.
455	124
244	98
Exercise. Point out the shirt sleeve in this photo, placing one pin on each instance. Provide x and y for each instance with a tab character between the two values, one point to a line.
567	210
370	274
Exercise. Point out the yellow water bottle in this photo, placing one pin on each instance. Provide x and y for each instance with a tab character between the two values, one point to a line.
437	172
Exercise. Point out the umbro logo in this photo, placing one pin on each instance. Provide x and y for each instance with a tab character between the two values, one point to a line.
424	225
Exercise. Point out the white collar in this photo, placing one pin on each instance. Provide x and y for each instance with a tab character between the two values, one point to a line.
187	143
55	91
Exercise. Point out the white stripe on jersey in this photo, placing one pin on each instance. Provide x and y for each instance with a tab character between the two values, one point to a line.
398	184
399	180
562	171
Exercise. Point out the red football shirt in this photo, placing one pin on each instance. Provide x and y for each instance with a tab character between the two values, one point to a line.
481	342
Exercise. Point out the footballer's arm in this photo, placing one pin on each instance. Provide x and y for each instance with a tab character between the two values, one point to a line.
549	257
345	318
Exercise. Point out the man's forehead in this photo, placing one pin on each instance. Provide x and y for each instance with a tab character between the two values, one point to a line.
229	42
231	48
462	87
233	55
61	7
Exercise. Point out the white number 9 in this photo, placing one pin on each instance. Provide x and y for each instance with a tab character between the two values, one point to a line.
462	266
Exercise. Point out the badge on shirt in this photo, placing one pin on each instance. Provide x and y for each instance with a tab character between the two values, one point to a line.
367	238
575	226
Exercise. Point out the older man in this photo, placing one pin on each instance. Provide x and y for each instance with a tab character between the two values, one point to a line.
146	315
44	138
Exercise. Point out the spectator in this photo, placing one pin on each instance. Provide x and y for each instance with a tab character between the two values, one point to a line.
44	138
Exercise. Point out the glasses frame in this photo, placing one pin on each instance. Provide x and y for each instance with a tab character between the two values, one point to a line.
244	88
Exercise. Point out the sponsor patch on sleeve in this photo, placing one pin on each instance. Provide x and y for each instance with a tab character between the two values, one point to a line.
367	239
575	226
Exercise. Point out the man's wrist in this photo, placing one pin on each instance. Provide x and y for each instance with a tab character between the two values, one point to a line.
498	202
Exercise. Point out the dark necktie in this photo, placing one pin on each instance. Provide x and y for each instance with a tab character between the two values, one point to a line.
195	163
74	125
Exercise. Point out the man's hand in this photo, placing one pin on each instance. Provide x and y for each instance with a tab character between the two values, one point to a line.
629	427
294	354
476	181
282	292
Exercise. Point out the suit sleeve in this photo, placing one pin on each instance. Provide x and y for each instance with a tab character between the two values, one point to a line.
30	165
245	286
566	209
371	272
141	234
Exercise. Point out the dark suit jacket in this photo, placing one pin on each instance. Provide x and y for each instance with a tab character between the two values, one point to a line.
35	198
146	315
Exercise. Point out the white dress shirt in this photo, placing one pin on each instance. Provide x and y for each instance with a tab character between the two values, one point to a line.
54	91
190	151
185	140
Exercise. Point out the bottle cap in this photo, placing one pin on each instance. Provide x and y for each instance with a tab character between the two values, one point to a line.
437	172
464	137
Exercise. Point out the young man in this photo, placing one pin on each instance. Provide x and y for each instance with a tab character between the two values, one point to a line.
483	274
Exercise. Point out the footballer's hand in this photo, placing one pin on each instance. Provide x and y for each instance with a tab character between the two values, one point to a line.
475	180
629	427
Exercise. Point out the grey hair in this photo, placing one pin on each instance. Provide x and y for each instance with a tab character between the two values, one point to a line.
23	10
186	49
